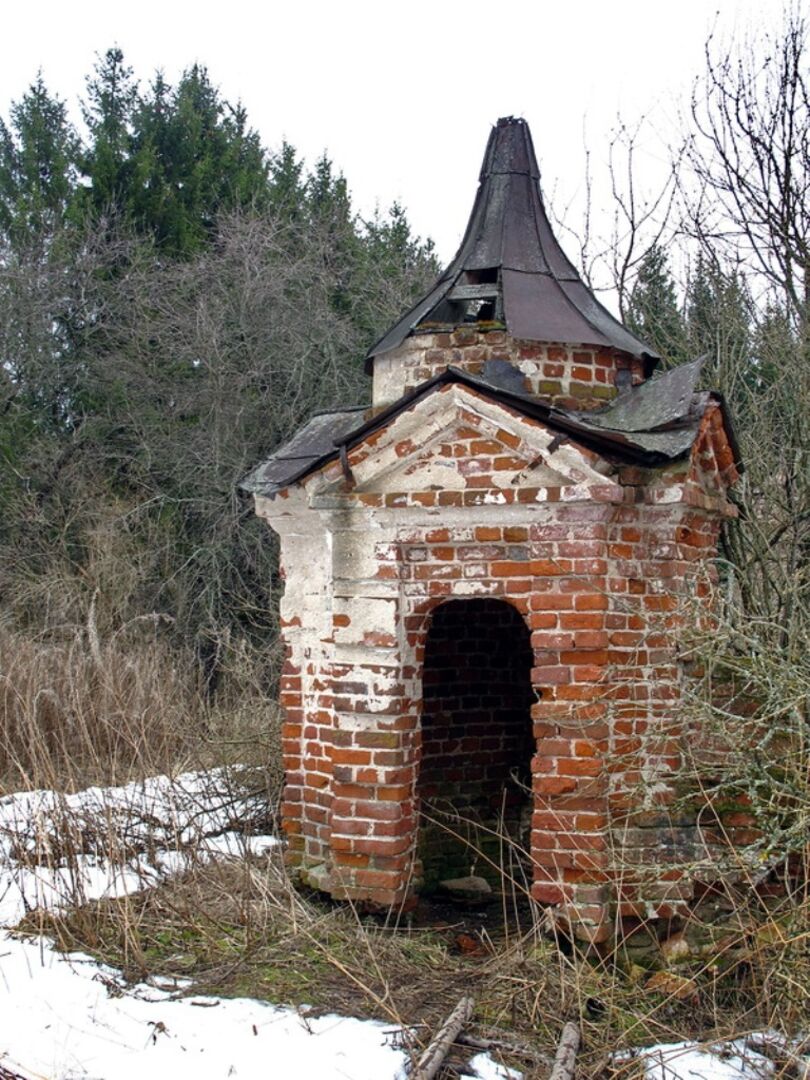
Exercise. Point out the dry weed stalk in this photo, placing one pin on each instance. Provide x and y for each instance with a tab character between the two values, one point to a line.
77	710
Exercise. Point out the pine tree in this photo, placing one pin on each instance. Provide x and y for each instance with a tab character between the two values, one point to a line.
718	321
38	156
193	156
209	161
111	99
775	345
397	267
287	191
653	311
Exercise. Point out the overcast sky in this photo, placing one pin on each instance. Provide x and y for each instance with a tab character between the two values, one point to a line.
402	95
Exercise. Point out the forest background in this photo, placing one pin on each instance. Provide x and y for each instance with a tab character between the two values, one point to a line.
175	300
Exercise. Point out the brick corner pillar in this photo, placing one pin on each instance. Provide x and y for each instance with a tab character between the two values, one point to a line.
306	736
292	748
305	622
661	544
569	825
373	756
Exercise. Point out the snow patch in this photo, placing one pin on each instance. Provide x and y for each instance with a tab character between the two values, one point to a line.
732	1060
68	1017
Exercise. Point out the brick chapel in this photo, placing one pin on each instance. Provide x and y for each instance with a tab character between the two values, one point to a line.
485	572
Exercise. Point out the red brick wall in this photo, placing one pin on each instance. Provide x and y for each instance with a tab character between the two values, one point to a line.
578	377
562	599
600	585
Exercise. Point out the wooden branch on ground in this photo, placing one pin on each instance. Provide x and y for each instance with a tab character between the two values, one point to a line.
431	1061
7	1073
565	1059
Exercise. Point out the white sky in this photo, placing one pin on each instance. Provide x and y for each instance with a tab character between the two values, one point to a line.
401	96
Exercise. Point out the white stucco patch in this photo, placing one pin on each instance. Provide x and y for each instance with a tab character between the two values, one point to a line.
409	455
371	620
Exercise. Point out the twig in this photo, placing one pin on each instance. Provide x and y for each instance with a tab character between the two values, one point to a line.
519	1049
430	1062
777	1050
7	1073
565	1058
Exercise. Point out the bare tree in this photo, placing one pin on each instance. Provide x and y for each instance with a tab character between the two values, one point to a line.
749	153
642	217
138	391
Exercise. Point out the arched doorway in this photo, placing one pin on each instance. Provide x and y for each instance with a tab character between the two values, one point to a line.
474	783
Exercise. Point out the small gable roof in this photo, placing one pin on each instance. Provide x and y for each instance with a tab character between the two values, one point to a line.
651	424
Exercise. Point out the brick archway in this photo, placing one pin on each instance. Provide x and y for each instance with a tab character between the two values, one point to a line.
473	781
572	693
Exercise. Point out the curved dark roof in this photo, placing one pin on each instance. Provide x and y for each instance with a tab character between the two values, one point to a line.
543	296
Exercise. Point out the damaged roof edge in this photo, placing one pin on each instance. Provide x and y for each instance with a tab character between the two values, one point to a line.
306	446
648	448
559	419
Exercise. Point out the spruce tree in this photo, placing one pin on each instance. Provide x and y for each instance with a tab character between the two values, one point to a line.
287	186
201	156
653	311
38	157
718	320
168	161
108	111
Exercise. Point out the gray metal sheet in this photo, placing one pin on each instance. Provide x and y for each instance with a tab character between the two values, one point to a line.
312	443
599	317
660	402
513	151
536	308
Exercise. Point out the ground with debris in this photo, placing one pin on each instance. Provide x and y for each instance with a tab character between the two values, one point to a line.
152	927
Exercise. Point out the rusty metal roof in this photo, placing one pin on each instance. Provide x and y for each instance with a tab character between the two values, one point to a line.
651	424
539	294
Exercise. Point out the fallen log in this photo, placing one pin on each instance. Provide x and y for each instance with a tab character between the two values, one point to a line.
565	1058
431	1060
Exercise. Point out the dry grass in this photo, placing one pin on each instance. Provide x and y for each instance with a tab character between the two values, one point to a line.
72	713
76	711
240	928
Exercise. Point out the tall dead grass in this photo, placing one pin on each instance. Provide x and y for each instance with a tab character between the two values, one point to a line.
76	710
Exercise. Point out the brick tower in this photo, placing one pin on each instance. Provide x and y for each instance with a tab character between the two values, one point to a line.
484	575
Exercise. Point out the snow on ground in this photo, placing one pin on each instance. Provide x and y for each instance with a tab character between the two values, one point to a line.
66	1017
691	1061
54	847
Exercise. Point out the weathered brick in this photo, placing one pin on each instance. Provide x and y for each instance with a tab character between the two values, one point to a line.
597	585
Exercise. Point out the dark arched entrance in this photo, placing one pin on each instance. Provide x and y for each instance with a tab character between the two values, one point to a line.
476	739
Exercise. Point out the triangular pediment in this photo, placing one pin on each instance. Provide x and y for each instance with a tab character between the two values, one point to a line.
456	439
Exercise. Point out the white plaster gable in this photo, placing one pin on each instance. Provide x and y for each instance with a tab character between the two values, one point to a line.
412	454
